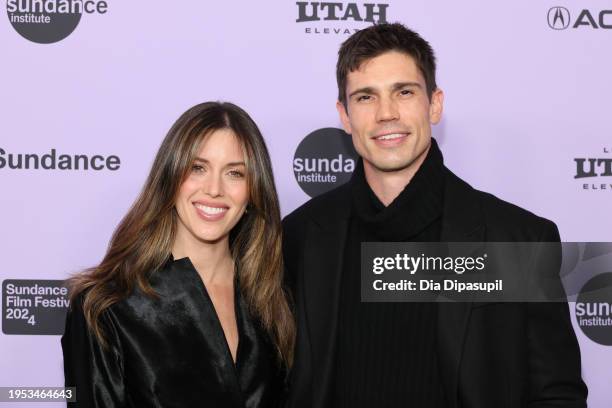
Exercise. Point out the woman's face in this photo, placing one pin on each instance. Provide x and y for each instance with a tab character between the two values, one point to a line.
215	194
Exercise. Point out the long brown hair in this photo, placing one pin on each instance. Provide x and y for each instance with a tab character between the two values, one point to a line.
143	240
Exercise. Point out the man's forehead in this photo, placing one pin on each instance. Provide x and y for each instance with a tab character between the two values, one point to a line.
385	70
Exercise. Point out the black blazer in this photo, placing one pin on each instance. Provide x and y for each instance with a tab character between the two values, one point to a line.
490	354
170	351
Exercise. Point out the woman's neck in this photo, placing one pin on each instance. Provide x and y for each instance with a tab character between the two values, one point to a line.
212	260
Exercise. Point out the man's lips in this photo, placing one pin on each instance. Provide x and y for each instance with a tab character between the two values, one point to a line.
390	138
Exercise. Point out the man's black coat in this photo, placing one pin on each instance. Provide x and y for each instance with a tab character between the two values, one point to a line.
490	355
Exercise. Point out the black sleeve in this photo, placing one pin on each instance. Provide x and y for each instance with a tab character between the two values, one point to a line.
554	356
94	370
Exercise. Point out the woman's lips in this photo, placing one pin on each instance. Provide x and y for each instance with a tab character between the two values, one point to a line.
210	213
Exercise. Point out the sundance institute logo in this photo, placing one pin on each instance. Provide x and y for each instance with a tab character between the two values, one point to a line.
594	309
50	21
325	159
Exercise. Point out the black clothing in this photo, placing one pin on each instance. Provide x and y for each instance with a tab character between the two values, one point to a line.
488	354
170	351
386	351
414	215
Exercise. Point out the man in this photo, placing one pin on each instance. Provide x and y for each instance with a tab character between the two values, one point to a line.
353	354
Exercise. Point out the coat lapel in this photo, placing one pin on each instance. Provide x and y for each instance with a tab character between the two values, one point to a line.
461	222
323	262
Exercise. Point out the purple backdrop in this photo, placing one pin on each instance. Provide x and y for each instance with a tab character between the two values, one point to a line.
525	96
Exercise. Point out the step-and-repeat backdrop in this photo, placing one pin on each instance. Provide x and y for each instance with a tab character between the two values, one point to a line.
89	89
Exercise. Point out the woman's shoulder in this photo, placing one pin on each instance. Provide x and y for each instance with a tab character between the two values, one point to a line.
107	298
174	280
78	309
80	333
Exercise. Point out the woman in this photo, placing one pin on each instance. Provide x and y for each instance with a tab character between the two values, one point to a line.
186	309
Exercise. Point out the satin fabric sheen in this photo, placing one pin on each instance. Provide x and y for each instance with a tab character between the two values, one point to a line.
170	351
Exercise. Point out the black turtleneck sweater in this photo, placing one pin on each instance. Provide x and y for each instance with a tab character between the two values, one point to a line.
386	352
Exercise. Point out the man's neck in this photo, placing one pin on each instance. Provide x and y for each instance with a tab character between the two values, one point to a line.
387	185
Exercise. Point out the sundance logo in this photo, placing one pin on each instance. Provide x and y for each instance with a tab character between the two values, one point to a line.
339	17
55	161
34	306
559	18
50	21
594	309
325	159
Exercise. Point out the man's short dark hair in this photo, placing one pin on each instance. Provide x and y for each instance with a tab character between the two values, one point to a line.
378	39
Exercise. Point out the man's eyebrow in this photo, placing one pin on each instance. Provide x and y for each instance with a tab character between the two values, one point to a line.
230	164
398	85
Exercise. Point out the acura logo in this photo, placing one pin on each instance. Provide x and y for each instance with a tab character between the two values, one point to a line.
558	18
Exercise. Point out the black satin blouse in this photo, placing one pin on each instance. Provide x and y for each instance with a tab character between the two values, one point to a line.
171	351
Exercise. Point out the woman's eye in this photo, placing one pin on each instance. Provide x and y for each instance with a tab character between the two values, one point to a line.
236	174
197	168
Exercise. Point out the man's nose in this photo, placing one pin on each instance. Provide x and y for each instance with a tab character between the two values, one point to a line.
387	110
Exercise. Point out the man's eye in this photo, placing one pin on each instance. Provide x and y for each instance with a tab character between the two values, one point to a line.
363	98
406	92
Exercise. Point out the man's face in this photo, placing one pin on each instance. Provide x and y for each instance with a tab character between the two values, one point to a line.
389	114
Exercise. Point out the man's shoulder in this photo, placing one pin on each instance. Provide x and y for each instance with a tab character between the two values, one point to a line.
330	204
508	221
503	220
